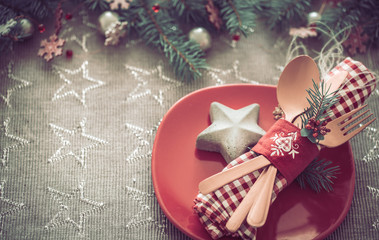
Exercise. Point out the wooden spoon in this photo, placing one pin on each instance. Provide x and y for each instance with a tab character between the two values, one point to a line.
295	79
258	213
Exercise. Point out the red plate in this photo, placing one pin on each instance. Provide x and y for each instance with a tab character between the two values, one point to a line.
177	169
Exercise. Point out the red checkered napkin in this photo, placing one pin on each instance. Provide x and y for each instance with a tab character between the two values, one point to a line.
215	209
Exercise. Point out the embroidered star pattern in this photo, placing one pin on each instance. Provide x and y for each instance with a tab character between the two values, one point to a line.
7	206
218	74
8	142
143	216
143	149
375	193
74	85
74	144
10	84
143	89
232	131
373	136
73	208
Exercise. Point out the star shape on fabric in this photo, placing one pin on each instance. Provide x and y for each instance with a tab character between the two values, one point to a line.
143	149
73	208
8	142
144	88
373	135
232	131
74	85
10	84
75	143
375	193
7	206
218	74
143	216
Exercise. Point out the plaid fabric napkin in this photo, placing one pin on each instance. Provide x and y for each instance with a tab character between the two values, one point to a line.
215	209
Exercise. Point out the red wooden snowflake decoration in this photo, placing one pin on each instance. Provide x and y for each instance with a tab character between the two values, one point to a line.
356	41
51	47
213	13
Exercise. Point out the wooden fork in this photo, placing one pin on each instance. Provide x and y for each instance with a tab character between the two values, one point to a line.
341	131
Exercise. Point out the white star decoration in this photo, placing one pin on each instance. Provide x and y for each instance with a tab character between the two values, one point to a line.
68	212
143	150
143	89
217	74
7	207
232	131
74	85
73	144
140	219
10	84
375	193
5	142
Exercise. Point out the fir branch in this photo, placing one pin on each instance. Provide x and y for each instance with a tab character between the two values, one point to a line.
97	4
160	30
313	120
281	14
318	175
238	16
191	11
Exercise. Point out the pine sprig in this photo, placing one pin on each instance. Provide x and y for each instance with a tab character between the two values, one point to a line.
190	11
320	101
161	31
281	14
237	16
318	175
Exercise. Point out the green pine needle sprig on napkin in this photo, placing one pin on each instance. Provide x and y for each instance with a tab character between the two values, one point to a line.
320	100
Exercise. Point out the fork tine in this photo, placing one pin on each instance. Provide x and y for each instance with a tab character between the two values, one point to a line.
347	115
353	119
355	124
358	130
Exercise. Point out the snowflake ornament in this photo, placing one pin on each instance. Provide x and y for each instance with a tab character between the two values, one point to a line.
356	41
51	47
116	4
214	16
303	32
114	33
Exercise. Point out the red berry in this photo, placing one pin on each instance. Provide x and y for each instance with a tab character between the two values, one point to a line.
315	135
324	123
41	28
308	126
315	129
156	8
69	53
318	122
236	37
68	16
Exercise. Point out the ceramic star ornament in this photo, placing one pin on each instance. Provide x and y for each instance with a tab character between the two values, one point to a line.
232	131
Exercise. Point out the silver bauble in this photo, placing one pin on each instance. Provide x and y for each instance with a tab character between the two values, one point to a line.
26	29
313	17
202	37
106	19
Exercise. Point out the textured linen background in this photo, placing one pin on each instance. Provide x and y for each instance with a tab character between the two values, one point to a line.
75	160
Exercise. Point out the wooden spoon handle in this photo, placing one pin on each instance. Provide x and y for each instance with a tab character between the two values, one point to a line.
242	210
258	212
218	180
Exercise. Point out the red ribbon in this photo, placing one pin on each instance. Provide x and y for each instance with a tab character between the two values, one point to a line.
286	149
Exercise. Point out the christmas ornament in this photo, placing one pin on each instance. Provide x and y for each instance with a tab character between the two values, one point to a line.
69	53
214	14
313	17
116	4
114	33
202	37
303	32
68	16
356	41
26	29
50	48
232	131
106	19
156	8
278	113
41	28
